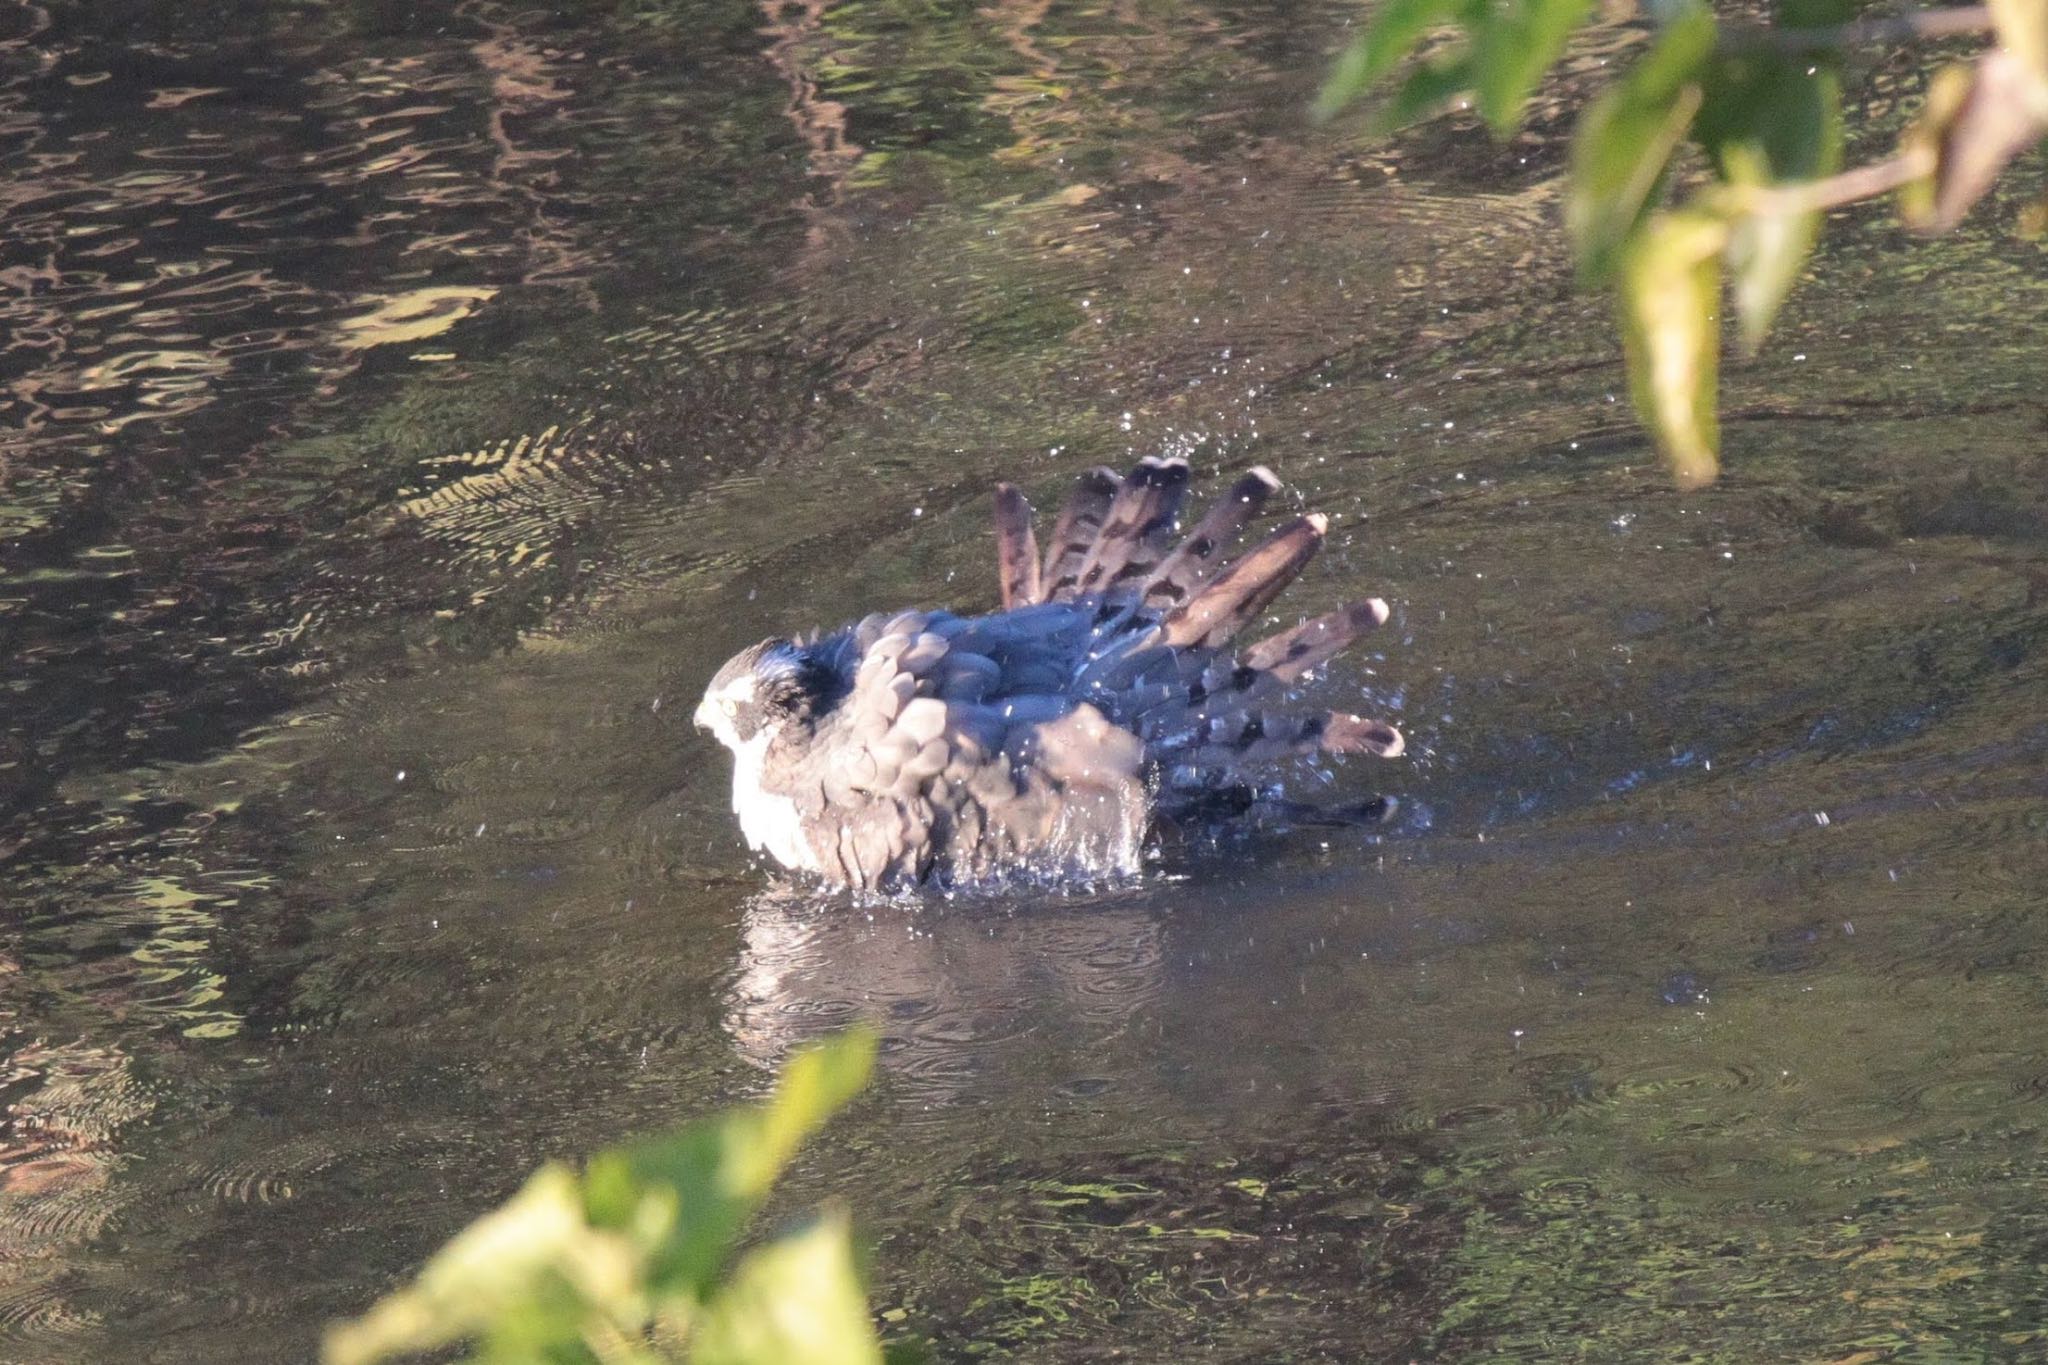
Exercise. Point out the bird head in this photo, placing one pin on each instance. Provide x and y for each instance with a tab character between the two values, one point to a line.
761	690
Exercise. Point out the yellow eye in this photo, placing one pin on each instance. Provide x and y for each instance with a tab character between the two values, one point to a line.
729	706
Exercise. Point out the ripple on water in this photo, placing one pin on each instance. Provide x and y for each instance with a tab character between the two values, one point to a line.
1677	1083
55	1198
1982	1086
275	1175
35	1310
1558	1081
1106	970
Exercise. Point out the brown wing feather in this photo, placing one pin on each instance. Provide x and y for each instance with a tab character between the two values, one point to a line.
1220	610
1197	556
1255	738
1016	547
1310	645
1074	530
1135	529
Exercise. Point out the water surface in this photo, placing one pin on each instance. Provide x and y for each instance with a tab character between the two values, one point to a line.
409	406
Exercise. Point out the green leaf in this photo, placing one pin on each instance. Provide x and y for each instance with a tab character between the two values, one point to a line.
1765	253
799	1298
1947	91
1770	119
1669	295
1393	34
719	1173
1786	109
1624	142
1429	87
491	1269
816	1084
1512	46
577	1269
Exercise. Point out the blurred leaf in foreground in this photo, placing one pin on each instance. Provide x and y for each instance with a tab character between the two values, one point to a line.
1765	103
622	1264
1625	140
1509	45
1512	48
1391	36
1978	117
1771	120
1428	88
1513	44
1669	297
795	1300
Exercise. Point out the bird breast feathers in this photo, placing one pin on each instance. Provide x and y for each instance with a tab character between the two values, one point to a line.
769	819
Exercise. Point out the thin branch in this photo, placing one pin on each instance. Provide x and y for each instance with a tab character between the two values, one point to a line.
1897	28
1862	182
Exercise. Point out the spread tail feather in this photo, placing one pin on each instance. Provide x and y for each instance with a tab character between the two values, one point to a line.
1247	587
1310	645
1135	529
1074	530
1195	559
1016	547
1344	733
1279	661
1108	542
1254	739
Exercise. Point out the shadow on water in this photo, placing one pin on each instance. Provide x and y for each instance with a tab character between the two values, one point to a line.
409	406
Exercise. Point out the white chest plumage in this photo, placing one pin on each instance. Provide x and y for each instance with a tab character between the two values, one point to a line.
768	821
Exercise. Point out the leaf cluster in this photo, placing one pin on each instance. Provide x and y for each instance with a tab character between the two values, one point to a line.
1762	108
632	1261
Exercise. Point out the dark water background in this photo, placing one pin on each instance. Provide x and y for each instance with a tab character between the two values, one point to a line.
406	406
